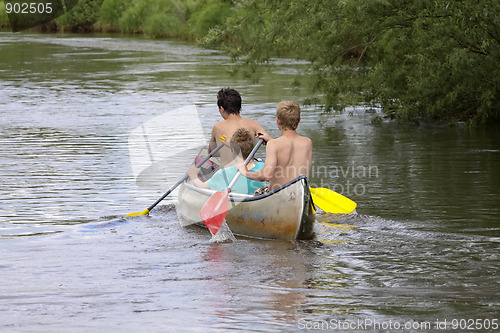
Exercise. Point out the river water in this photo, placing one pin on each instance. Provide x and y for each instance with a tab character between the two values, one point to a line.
421	254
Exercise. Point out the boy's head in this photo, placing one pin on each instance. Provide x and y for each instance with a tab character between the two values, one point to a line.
230	100
288	113
242	141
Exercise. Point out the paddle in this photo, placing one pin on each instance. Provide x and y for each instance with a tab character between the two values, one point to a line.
215	209
332	202
146	212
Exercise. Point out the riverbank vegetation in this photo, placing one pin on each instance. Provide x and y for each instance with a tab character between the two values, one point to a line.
423	60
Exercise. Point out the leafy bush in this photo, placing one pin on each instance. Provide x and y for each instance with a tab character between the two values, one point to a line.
154	16
4	19
112	10
208	15
82	17
163	25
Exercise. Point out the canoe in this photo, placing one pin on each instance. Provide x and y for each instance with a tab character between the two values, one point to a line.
285	213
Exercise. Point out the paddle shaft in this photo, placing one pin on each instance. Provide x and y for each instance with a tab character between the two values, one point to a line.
249	158
185	177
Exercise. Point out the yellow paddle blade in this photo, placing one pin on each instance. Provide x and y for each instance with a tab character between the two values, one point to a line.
331	201
146	212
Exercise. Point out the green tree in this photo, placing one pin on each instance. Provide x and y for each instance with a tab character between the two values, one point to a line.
208	14
111	11
425	59
157	18
4	19
80	18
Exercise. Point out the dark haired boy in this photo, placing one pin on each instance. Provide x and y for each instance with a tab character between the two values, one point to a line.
229	103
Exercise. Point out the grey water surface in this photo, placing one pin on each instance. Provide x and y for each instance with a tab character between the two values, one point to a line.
421	254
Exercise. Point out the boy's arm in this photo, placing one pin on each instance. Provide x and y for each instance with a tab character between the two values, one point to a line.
212	143
269	168
266	137
261	133
193	174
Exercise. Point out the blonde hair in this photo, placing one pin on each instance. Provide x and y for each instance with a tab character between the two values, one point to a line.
242	141
288	113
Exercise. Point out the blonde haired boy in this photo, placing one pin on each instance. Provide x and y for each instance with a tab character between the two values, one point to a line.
288	156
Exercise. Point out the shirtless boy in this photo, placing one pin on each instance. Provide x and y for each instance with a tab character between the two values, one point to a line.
242	143
229	103
288	156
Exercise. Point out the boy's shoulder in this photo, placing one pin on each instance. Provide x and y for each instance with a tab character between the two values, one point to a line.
219	124
295	137
306	139
303	138
283	141
250	121
219	127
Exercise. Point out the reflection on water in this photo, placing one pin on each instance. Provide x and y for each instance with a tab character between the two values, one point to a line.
424	246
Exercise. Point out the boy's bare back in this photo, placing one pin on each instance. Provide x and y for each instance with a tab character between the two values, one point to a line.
288	156
227	128
291	156
229	104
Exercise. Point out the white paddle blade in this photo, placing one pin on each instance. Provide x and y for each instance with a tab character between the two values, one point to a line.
163	148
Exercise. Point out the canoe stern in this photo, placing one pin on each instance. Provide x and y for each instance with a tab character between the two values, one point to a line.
284	214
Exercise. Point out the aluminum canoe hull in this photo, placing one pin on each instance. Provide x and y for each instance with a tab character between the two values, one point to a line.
285	213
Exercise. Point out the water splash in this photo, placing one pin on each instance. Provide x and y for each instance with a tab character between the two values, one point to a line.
223	235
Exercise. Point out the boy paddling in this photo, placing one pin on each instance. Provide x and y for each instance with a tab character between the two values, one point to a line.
288	156
229	103
242	144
